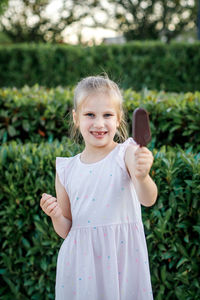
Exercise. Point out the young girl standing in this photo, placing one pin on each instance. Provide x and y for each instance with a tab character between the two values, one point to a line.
97	209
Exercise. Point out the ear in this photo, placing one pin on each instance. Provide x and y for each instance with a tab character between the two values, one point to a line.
75	118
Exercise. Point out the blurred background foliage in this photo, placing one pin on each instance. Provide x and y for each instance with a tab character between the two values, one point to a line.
28	21
38	114
3	6
155	65
152	20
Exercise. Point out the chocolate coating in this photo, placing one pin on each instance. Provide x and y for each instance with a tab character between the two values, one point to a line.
140	127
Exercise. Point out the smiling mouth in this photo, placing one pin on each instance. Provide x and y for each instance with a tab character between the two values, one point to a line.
98	133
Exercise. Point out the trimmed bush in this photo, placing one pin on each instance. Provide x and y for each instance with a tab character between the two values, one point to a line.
30	245
37	114
155	65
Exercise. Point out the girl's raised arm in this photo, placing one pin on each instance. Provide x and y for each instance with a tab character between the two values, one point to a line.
138	161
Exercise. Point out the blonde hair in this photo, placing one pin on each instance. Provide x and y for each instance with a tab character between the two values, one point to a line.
103	84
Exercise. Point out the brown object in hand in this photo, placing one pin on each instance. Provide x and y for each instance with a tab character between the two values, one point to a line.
140	127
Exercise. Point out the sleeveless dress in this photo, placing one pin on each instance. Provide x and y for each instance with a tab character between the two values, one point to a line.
104	256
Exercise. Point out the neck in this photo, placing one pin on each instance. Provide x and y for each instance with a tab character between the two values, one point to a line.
97	152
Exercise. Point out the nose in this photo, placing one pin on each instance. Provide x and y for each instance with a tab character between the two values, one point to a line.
99	122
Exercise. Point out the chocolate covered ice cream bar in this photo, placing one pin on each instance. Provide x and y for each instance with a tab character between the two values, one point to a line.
140	127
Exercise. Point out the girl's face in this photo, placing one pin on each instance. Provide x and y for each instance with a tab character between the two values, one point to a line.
97	120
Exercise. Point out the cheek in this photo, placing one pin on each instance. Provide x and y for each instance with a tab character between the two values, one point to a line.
113	124
86	124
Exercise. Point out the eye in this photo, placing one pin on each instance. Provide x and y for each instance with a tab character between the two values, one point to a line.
108	115
89	115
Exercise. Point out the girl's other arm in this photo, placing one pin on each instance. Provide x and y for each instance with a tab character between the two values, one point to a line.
58	209
138	162
63	224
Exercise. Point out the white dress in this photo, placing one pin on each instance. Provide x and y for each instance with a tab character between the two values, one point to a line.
104	256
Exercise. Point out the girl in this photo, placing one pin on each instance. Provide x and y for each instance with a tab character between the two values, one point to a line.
97	209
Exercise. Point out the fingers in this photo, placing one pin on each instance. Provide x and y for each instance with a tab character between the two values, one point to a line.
144	157
44	198
48	203
55	211
143	162
51	207
143	151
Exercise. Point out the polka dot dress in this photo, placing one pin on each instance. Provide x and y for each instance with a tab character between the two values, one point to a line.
104	256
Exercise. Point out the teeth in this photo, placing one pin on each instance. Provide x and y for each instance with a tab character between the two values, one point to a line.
98	133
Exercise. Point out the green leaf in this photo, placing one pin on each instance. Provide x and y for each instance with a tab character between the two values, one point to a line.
181	261
26	125
14	288
196	228
11	130
189	182
26	243
163	273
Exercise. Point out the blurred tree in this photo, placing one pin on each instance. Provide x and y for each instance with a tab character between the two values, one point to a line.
28	21
152	19
3	6
198	21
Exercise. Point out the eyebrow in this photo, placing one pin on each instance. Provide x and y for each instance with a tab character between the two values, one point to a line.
106	112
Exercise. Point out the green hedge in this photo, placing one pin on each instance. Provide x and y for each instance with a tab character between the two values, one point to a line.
155	65
37	114
30	245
